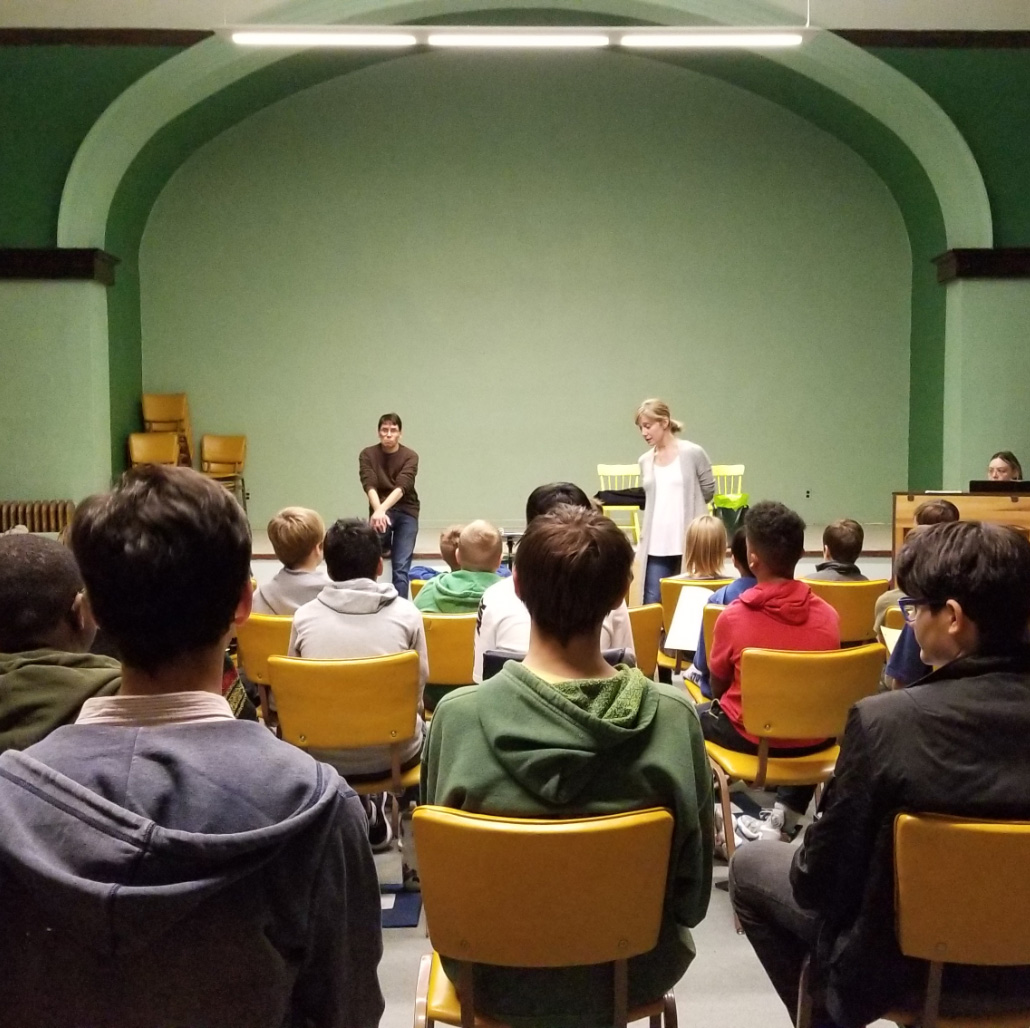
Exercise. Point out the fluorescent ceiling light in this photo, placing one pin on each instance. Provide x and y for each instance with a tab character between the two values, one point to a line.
524	40
323	37
742	39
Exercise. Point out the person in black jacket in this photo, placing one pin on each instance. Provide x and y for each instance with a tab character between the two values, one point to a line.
953	743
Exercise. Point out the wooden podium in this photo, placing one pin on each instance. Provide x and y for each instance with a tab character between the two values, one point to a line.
1001	508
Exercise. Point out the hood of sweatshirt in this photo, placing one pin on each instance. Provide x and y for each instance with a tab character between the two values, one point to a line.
357	596
788	602
553	739
459	591
117	879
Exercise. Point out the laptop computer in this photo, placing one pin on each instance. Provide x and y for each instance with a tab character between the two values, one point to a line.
990	486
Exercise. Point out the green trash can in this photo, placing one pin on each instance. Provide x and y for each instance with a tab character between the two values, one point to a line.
730	509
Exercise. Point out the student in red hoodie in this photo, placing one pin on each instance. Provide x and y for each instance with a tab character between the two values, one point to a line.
778	613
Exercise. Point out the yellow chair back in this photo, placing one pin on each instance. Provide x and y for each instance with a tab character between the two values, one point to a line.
619	476
415	586
450	642
670	593
729	479
805	695
710	616
258	638
223	456
894	618
346	704
646	624
542	893
153	448
170	412
854	602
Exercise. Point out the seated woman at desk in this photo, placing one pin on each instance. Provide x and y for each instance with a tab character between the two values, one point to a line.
1004	467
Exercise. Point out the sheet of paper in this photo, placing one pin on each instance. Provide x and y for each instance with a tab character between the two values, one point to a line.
685	629
387	900
890	637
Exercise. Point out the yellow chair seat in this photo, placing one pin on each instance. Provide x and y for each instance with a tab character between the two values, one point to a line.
664	660
442	1000
694	691
409	779
807	770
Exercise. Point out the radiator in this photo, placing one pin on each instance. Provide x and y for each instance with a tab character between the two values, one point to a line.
36	515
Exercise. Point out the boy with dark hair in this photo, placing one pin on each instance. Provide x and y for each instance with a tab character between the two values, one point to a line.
356	616
842	546
459	592
158	845
296	535
503	622
563	734
779	613
46	629
954	744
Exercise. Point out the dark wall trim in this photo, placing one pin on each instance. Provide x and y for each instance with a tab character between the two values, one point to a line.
84	265
1013	262
942	38
102	37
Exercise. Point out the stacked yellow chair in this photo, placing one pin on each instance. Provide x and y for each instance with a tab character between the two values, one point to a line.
259	637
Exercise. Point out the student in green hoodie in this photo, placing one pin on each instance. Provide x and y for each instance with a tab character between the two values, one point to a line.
563	734
458	592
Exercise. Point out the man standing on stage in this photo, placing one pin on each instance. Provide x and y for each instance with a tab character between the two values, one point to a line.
387	472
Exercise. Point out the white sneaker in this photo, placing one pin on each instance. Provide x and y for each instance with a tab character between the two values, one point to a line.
769	826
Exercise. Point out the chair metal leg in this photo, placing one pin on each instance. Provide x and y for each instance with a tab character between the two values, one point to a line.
621	978
932	1002
804	1018
671	1016
727	824
422	992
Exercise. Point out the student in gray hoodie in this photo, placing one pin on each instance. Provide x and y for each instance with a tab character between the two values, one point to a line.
356	616
162	863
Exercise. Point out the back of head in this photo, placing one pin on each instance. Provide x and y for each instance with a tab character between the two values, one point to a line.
936	512
777	535
738	548
352	550
572	568
985	568
706	547
479	547
545	498
449	545
39	581
844	539
165	557
294	533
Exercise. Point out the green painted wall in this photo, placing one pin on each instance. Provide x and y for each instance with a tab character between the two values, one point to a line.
513	254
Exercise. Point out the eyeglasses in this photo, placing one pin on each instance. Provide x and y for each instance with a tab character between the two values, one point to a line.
908	607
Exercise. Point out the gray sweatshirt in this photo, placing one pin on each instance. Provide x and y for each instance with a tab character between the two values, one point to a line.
288	590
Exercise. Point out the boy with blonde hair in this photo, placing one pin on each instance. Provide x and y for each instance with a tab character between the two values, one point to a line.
478	554
296	535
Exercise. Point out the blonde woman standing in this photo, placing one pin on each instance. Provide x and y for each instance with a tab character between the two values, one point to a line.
678	483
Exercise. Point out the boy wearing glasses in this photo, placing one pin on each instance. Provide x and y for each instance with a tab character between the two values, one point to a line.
955	743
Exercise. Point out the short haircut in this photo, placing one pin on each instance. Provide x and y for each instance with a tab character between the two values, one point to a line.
573	567
984	567
936	512
352	550
39	581
738	547
449	544
545	498
390	418
165	557
706	547
479	547
777	534
1009	458
294	533
844	539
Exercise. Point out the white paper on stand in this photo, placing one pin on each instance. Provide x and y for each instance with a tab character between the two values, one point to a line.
686	622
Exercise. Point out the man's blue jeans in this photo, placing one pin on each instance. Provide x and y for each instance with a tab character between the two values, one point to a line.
399	539
658	568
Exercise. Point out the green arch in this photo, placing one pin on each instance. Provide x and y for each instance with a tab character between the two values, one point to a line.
153	127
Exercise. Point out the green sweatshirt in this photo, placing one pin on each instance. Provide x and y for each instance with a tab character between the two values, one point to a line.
455	592
40	690
516	745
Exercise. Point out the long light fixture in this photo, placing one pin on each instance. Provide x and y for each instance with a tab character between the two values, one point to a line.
519	37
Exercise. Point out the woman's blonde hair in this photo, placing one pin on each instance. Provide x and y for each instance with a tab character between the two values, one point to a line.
706	548
657	410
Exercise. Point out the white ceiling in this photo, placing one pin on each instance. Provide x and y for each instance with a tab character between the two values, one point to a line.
207	14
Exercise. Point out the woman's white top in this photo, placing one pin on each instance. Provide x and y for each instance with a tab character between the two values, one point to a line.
667	527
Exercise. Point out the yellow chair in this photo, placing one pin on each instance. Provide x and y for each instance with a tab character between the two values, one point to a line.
622	476
729	487
259	637
646	625
710	616
793	695
351	704
415	587
170	412
855	602
153	448
514	893
946	913
222	458
894	618
670	593
450	645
